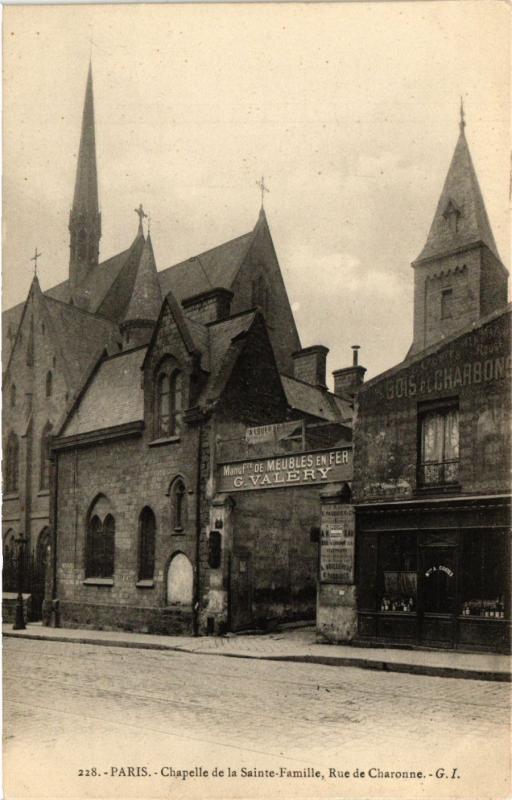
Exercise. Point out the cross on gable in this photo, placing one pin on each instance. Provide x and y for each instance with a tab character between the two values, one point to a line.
263	189
34	259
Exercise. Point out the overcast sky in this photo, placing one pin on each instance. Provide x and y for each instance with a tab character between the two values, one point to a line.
350	111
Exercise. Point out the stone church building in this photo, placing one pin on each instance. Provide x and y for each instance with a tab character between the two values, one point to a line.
129	393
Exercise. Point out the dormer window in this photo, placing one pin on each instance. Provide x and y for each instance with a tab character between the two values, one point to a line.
169	401
452	213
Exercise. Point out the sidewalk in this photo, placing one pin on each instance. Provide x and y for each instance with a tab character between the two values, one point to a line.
296	644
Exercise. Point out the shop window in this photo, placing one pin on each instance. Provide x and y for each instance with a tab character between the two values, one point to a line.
44	474
485	572
12	463
100	545
169	402
397	572
147	531
447	304
439	445
178	505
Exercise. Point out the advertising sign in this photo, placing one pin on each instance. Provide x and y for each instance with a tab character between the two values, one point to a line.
277	472
337	544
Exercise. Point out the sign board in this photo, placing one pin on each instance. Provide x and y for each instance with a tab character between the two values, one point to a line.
278	472
274	433
337	541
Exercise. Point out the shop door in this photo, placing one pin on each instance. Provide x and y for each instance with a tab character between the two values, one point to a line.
240	595
438	595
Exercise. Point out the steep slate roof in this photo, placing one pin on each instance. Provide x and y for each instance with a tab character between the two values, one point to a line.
146	298
221	335
314	401
113	397
214	268
81	335
462	197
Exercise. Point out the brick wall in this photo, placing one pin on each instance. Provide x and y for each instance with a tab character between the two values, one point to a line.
476	369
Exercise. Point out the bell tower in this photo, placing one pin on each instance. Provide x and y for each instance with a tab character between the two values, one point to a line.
458	276
85	217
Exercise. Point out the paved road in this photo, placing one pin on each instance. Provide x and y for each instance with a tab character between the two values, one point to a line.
71	707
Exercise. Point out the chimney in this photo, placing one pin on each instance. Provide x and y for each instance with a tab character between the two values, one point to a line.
209	306
348	380
309	365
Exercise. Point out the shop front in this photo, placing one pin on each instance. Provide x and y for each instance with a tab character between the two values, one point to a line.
435	575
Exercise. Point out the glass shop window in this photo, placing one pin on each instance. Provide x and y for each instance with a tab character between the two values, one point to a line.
398	558
485	574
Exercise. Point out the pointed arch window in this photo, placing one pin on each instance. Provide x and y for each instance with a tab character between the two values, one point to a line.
147	534
44	474
169	402
12	463
49	383
178	505
100	545
260	293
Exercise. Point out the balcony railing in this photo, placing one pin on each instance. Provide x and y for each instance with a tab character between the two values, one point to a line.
438	473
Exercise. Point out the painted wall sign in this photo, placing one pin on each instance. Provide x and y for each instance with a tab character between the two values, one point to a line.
299	469
451	377
337	540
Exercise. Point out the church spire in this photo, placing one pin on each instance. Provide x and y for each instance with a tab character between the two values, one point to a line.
85	217
460	218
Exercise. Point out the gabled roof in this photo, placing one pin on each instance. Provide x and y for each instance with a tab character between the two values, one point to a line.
460	218
113	397
146	298
222	335
81	335
315	401
217	267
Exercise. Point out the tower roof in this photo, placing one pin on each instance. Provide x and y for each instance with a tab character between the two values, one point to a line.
460	218
85	199
146	298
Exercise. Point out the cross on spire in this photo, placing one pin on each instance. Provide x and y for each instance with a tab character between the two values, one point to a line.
462	123
141	215
263	189
34	259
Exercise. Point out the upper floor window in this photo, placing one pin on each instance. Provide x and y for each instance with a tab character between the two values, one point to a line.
44	478
100	540
169	401
178	505
439	445
447	304
12	463
147	530
49	383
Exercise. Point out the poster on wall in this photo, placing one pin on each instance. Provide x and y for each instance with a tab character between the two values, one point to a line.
337	539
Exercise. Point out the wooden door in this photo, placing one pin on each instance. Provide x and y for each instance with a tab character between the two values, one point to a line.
240	595
438	595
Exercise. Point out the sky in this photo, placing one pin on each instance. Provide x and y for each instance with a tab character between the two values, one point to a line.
349	110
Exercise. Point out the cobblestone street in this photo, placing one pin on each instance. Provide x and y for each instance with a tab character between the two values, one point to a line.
83	707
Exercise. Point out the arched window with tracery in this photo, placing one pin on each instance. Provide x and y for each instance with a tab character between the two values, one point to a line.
100	541
12	459
44	466
169	401
178	505
147	535
49	383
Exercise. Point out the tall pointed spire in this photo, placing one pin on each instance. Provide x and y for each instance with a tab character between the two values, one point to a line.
460	218
85	217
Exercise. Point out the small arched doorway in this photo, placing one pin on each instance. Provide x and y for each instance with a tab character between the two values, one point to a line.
180	581
41	561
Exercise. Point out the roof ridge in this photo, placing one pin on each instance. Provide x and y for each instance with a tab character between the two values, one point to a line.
72	307
210	250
